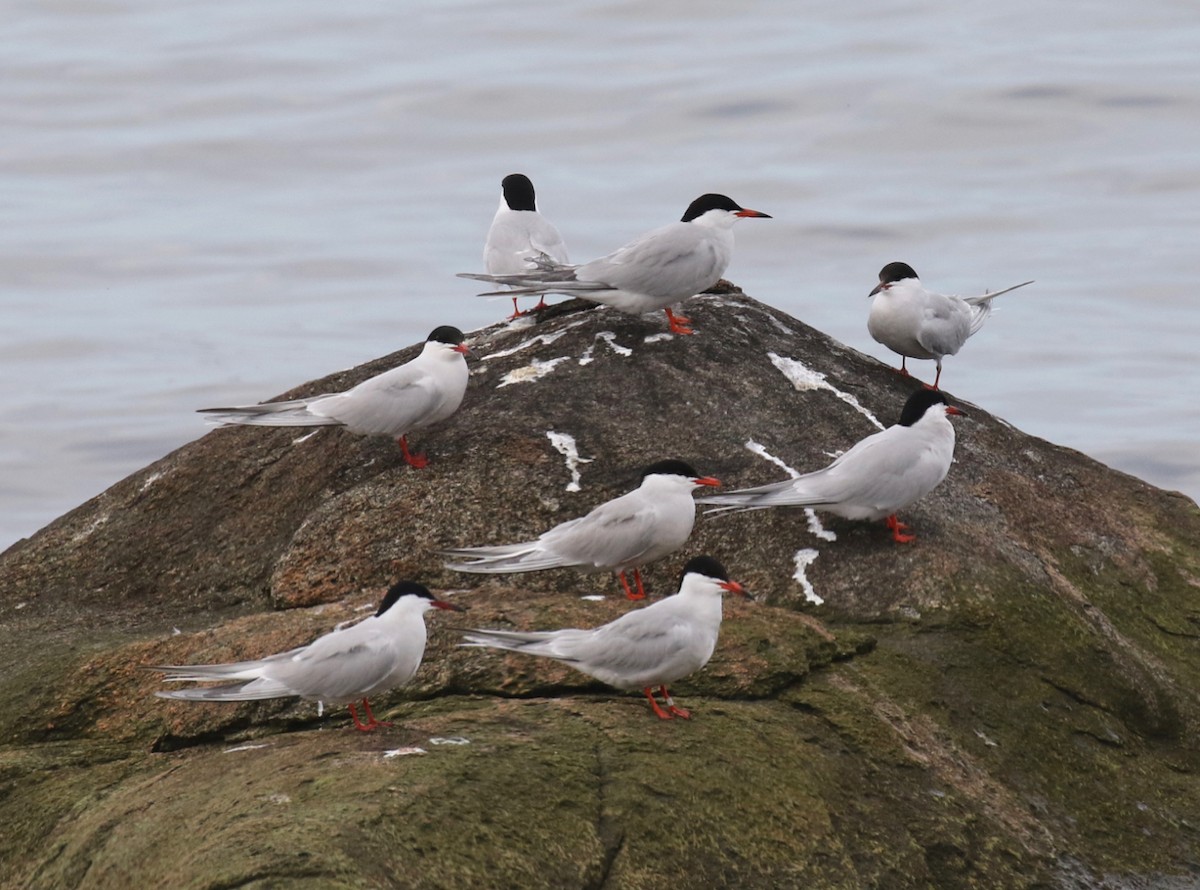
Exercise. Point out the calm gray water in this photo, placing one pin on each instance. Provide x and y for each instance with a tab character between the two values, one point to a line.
206	202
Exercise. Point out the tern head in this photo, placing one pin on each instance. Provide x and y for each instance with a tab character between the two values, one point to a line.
892	273
921	401
712	209
518	192
678	468
709	573
414	594
448	337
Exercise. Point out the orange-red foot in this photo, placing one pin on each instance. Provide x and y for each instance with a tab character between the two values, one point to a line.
371	716
682	713
629	593
677	324
898	530
358	724
416	461
658	711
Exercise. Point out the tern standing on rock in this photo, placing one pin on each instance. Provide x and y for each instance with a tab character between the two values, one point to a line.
654	646
918	323
653	272
879	476
364	659
519	233
409	397
646	524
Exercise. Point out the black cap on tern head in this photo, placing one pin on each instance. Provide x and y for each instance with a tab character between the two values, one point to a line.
446	334
402	588
708	202
706	566
920	402
896	272
671	468
518	192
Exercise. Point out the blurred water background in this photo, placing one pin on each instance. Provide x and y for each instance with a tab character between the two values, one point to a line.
205	203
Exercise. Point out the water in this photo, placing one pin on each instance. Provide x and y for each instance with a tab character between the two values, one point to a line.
205	203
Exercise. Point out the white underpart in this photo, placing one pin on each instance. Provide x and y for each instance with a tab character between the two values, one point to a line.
611	339
804	378
564	444
535	370
805	558
814	522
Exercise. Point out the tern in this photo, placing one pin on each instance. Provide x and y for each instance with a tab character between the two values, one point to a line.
881	475
652	272
645	648
378	653
918	323
646	524
519	233
412	396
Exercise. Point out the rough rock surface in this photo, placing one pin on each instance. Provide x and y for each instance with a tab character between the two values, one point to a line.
1011	701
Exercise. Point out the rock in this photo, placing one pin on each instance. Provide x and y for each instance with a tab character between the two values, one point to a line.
1009	701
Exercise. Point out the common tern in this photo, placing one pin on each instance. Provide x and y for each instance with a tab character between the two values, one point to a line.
879	476
519	233
918	323
411	396
372	656
652	272
646	524
645	648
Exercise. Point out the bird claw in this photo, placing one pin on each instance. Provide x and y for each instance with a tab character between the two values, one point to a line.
898	529
678	324
416	461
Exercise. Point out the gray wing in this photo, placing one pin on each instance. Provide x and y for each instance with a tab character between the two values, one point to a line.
945	324
347	664
294	412
677	259
615	534
387	404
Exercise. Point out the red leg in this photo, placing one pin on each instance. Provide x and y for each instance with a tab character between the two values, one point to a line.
898	528
358	724
683	713
416	461
517	313
637	576
541	304
678	324
658	712
937	379
374	722
629	594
